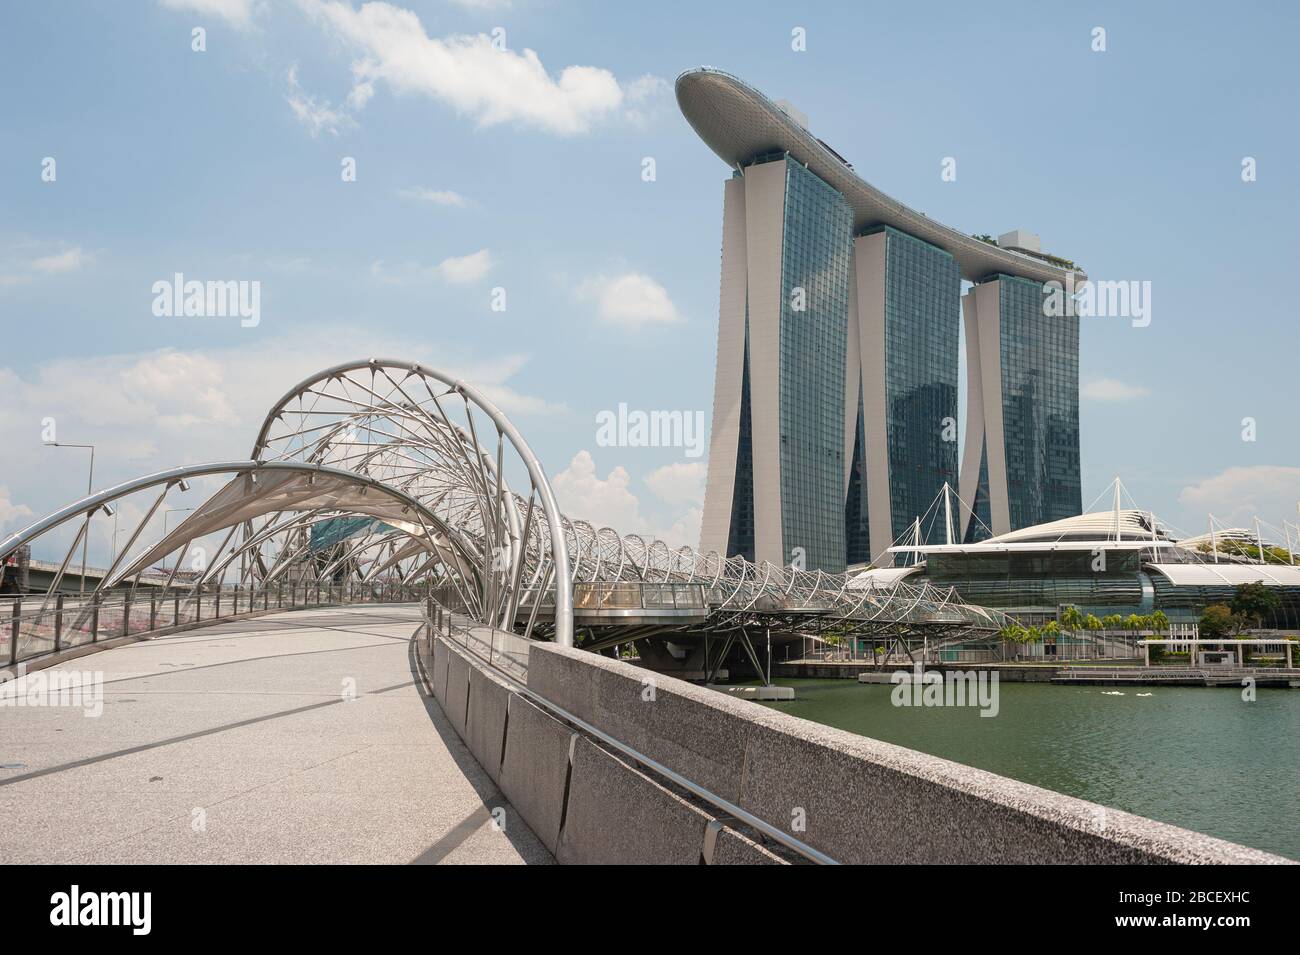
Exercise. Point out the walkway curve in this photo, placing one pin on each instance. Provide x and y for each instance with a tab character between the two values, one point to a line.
298	737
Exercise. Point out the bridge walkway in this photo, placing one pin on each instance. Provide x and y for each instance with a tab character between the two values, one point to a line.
297	737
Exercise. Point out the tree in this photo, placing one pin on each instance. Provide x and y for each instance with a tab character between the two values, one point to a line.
1133	622
1013	632
1159	622
1092	622
1254	602
1218	622
1112	621
1072	619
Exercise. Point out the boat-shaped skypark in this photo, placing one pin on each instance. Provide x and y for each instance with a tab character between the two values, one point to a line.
739	123
835	396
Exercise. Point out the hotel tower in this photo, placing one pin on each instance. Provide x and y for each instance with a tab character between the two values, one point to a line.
835	400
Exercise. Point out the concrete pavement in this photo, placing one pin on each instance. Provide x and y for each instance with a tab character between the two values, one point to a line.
299	737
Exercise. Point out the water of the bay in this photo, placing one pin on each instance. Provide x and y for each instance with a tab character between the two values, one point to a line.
1201	758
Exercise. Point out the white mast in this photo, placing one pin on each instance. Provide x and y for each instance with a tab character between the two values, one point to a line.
947	512
1117	503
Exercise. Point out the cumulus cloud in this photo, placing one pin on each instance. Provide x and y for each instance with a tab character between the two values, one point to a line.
1238	494
1108	389
437	197
610	501
147	411
470	73
679	483
630	299
12	515
238	13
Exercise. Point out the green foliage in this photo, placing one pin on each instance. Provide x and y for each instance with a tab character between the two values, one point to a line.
1219	622
1254	602
1092	622
1112	621
1072	618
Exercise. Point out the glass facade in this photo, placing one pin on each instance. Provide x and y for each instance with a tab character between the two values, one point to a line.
1040	406
740	537
857	543
816	256
922	315
1046	579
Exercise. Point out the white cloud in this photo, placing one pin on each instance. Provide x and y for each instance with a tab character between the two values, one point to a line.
18	267
466	268
11	513
1238	494
582	494
67	261
630	299
679	483
147	411
1108	389
317	116
458	270
467	72
438	197
646	97
238	13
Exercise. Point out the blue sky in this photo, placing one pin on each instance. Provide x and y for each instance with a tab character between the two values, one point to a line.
478	169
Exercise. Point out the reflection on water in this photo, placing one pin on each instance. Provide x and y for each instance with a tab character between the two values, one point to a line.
1196	757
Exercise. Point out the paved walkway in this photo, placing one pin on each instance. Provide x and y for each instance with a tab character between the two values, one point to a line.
300	737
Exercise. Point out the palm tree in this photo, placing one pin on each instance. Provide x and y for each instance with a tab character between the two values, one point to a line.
1159	622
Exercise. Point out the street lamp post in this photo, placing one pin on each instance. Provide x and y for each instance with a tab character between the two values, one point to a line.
90	482
172	510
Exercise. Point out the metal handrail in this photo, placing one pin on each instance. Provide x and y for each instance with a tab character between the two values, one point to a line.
726	807
33	626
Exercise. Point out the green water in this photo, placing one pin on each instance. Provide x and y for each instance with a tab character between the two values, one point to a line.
1196	757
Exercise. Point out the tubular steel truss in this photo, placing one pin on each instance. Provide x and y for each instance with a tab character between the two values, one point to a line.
387	471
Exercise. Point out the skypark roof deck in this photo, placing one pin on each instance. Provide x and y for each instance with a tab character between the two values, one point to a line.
738	123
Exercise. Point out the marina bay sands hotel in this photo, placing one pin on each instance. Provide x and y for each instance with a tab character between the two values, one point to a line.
835	403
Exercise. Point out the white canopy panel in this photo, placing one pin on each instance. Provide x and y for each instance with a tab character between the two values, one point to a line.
1231	575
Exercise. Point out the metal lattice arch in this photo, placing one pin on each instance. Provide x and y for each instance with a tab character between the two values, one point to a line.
417	428
380	470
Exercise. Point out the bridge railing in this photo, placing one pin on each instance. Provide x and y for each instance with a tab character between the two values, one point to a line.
37	625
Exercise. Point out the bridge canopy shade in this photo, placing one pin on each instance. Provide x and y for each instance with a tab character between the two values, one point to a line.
245	498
